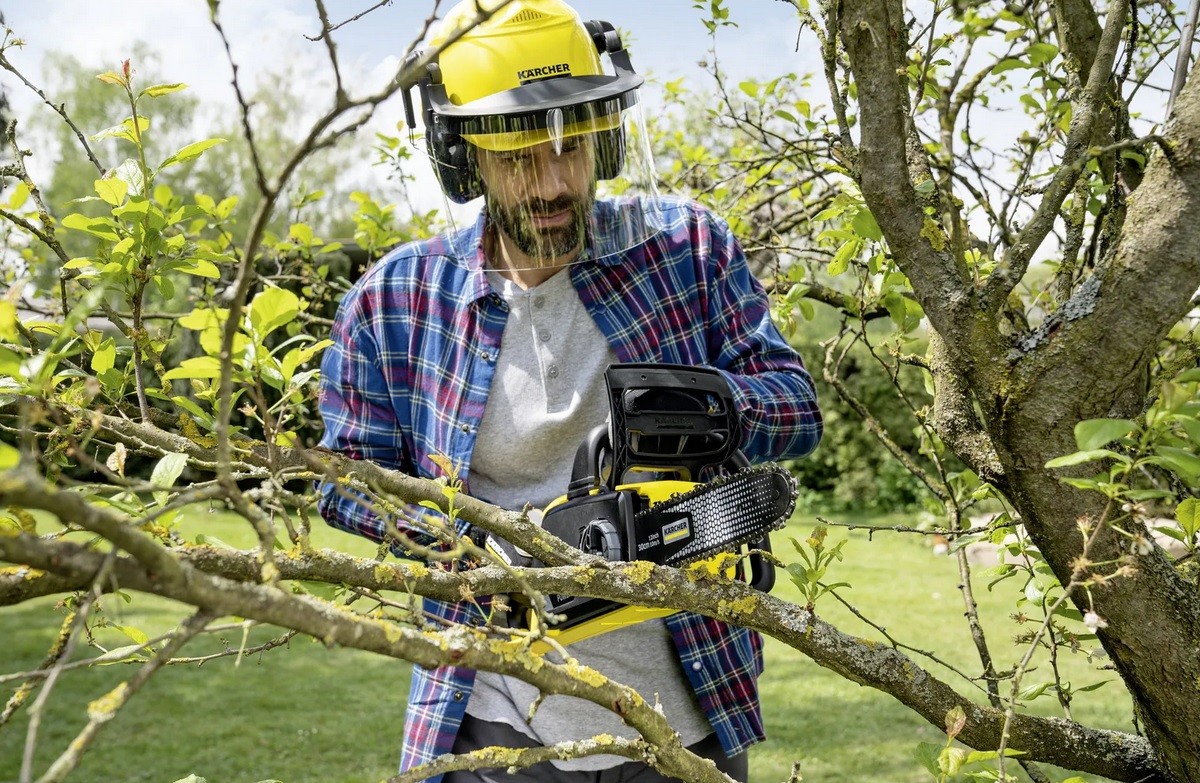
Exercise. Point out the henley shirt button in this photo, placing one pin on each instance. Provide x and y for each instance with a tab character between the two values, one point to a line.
553	371
697	666
544	335
539	302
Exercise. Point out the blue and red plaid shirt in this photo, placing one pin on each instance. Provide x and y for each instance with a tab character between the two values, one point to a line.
407	378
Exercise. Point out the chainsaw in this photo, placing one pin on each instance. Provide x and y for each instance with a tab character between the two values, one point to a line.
635	493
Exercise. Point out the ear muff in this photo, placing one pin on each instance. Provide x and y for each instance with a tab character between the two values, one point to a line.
452	161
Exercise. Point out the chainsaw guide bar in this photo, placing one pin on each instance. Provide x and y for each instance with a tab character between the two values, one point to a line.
718	516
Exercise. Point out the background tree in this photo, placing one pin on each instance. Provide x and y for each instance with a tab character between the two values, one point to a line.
1058	394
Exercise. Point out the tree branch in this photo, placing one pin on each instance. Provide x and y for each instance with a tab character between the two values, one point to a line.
875	38
1085	109
1111	754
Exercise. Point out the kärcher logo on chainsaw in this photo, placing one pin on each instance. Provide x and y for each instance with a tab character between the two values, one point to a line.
677	529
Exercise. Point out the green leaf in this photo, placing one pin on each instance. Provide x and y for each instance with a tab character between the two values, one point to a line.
1009	64
1094	433
196	367
159	90
1080	457
193	150
135	206
131	171
1092	687
1180	461
927	753
1188	376
750	87
952	760
844	255
865	226
1187	514
204	318
298	356
124	130
136	634
192	408
119	655
1042	53
111	77
9	456
167	469
8	320
272	308
95	226
201	268
111	190
105	357
19	196
302	233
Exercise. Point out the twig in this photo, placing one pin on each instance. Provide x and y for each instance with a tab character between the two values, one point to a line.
39	704
101	711
59	109
1183	56
52	659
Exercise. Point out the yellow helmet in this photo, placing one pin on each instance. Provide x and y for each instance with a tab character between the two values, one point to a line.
528	73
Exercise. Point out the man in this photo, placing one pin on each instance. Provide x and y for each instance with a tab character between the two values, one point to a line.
487	346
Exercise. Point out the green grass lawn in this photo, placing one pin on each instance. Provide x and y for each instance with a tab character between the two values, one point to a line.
308	714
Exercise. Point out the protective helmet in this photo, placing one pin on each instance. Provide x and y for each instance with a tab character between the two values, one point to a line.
530	72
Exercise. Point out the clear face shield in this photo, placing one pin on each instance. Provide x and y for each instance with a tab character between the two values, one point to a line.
559	186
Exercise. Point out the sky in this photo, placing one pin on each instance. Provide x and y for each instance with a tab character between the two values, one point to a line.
668	37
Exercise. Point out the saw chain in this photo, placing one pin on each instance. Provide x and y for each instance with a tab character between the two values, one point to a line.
718	516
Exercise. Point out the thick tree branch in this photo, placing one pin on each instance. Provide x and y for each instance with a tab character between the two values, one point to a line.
1111	754
875	38
458	644
1085	109
954	417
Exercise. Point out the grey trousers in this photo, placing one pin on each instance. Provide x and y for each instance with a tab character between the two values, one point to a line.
476	734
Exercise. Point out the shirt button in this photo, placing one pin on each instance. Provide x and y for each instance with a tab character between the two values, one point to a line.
552	372
544	335
697	666
465	427
458	695
539	302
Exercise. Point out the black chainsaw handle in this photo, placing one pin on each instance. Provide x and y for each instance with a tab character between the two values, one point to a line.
585	470
762	570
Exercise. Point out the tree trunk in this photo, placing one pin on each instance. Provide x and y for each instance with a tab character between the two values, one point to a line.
1090	363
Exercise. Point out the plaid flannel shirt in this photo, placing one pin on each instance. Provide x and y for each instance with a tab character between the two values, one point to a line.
407	378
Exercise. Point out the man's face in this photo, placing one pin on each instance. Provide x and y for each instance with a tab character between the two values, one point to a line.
540	199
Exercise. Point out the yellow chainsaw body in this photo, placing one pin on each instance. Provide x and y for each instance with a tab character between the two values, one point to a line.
622	615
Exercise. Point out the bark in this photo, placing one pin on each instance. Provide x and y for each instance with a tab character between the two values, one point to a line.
224	581
1089	362
1095	366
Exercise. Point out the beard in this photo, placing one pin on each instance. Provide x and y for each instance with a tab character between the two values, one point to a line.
543	245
